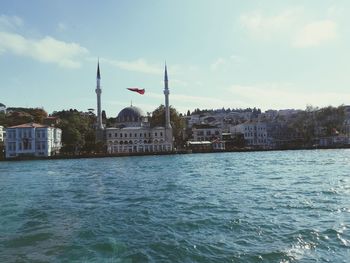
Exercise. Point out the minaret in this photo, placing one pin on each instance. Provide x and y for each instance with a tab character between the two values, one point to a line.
168	128
98	90
166	94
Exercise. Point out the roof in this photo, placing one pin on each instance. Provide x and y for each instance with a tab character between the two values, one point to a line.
2	105
130	128
130	114
200	142
30	125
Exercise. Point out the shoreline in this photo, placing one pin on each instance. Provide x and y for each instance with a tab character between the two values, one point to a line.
106	155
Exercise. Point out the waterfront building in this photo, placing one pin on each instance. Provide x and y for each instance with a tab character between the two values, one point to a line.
255	133
2	133
266	134
32	139
334	140
206	133
2	108
133	133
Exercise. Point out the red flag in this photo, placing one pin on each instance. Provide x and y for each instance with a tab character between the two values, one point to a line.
140	91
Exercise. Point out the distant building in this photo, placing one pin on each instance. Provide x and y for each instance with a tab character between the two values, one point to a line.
271	114
335	140
32	139
206	146
2	108
2	133
132	132
255	133
205	133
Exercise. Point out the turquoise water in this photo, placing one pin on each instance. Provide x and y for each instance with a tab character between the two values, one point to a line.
289	206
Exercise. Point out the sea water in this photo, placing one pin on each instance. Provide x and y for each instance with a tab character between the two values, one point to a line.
282	206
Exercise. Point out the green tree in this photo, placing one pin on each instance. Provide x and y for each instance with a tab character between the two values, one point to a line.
77	131
17	116
177	123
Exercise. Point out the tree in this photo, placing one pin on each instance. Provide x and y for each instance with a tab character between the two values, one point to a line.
72	139
177	123
17	116
77	131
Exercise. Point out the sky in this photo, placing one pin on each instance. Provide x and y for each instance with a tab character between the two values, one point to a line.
220	53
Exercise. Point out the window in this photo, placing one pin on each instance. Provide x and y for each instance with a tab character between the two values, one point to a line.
161	134
155	134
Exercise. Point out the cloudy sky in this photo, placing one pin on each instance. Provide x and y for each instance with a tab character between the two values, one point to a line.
220	53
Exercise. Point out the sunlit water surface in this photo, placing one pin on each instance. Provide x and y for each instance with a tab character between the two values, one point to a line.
288	206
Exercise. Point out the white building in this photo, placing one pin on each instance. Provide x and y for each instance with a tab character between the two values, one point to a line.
255	133
193	119
206	133
132	132
2	133
32	139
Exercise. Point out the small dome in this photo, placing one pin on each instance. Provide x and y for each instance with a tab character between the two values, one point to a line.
130	114
2	105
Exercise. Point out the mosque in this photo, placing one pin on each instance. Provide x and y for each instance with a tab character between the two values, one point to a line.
132	132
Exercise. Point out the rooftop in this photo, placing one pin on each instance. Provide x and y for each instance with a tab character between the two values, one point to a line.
30	125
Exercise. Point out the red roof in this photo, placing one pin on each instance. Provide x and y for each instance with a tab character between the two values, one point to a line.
30	125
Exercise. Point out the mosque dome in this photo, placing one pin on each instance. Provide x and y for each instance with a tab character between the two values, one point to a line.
130	114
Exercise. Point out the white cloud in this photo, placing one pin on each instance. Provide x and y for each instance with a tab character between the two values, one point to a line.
217	63
61	27
139	65
10	22
177	82
291	25
316	33
47	49
265	27
224	62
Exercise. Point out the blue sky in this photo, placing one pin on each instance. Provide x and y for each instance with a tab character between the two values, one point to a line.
223	53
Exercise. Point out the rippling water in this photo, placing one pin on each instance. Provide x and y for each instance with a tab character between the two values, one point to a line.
290	206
